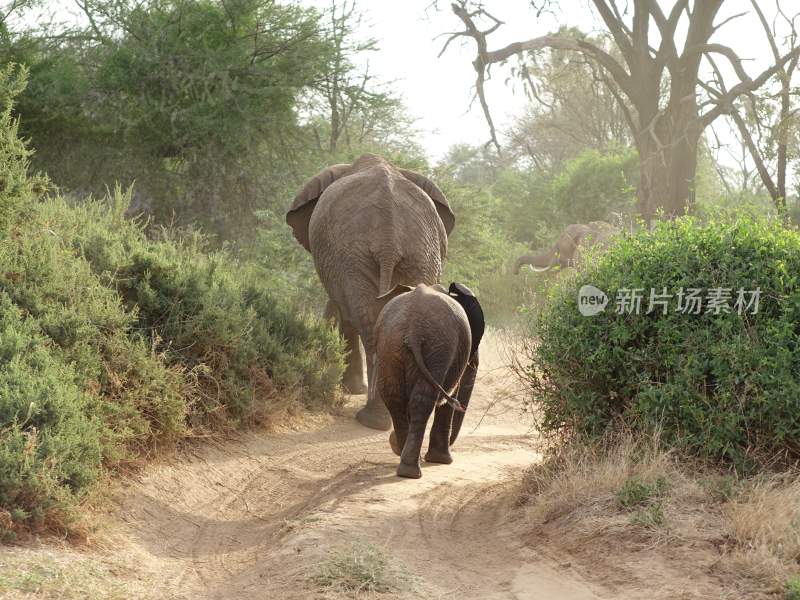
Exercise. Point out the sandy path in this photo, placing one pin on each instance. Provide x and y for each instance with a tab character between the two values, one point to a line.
255	517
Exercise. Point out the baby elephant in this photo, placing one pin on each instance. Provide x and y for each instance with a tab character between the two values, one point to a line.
426	346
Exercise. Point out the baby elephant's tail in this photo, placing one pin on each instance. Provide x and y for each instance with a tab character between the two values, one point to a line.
417	352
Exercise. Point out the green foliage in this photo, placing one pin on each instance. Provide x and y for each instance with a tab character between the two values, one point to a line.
195	101
210	315
91	330
17	189
793	588
650	517
724	386
50	436
596	185
644	498
636	491
479	251
110	341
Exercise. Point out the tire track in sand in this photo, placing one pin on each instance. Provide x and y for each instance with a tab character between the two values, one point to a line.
254	517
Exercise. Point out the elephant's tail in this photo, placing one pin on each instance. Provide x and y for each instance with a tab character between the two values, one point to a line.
426	374
386	267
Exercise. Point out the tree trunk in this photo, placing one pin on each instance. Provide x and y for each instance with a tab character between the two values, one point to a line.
668	164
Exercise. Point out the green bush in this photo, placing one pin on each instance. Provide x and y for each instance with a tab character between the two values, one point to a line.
50	436
93	331
110	341
725	386
213	317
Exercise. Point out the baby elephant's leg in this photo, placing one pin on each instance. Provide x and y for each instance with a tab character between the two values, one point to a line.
420	407
397	438
439	444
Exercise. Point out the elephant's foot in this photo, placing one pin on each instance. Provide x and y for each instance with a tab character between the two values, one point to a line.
410	471
375	418
393	443
437	456
354	385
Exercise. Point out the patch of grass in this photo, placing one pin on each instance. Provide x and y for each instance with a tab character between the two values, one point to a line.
611	473
722	487
362	568
764	523
793	588
637	492
38	576
628	488
649	517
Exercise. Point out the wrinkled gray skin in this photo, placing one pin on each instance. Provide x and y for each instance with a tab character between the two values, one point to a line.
566	251
428	323
370	226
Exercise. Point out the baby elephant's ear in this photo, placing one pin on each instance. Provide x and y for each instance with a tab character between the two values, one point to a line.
459	289
464	296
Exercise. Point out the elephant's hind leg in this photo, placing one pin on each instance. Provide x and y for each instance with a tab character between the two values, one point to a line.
439	444
353	378
420	407
397	438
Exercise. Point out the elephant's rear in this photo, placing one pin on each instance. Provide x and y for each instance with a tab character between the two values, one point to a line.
433	322
375	229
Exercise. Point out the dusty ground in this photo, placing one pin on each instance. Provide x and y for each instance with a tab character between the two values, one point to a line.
257	517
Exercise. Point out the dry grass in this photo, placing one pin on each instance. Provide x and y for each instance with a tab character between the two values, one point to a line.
583	480
63	575
764	523
741	536
362	570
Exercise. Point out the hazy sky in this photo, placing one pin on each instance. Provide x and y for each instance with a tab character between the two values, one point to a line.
438	90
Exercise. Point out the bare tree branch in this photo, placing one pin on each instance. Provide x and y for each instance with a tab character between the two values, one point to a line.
744	87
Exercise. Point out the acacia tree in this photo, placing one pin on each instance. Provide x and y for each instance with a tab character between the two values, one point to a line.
656	81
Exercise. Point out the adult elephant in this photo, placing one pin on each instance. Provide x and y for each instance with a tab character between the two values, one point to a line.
370	226
565	252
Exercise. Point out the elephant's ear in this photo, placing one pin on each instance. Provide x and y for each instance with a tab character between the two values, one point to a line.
469	302
299	213
438	197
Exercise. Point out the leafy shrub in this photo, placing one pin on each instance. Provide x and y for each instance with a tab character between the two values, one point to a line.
90	329
637	491
725	386
210	315
17	188
109	340
50	438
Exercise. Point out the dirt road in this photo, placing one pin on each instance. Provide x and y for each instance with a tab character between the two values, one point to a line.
256	518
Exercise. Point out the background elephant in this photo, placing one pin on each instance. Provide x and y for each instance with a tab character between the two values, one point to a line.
370	226
427	345
566	251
